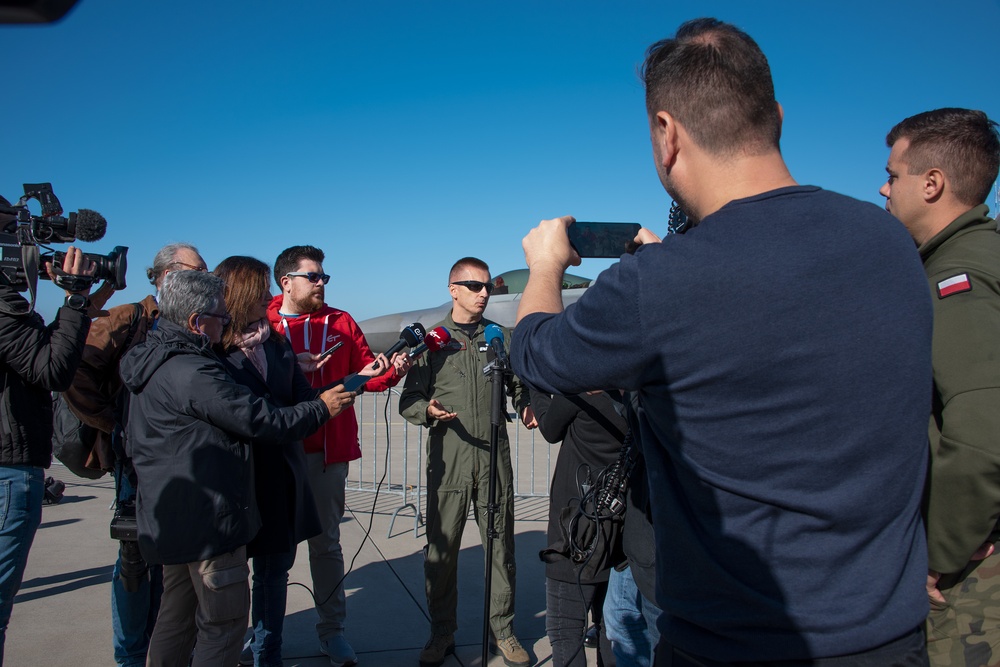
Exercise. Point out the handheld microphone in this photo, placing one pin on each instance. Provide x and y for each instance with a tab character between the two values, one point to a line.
435	339
494	336
410	336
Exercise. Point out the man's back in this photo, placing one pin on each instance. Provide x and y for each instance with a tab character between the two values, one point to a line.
781	349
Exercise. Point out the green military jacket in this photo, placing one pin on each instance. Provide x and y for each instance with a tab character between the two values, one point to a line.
455	378
962	500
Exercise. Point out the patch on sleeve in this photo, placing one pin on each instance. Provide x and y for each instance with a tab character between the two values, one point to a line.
954	285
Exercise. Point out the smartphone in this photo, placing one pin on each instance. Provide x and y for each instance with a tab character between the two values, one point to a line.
355	382
603	239
327	353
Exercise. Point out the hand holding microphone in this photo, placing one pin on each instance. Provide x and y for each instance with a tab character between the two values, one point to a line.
410	336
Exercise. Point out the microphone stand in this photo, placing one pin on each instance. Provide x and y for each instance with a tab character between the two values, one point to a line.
497	369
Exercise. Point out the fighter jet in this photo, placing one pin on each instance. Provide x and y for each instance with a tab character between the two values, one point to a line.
381	332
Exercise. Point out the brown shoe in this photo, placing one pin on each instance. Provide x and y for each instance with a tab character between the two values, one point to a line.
437	648
513	653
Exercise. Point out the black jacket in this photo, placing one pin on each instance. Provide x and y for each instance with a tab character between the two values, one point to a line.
591	430
35	360
189	429
287	509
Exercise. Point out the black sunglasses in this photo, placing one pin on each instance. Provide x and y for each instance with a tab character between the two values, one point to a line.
475	285
311	276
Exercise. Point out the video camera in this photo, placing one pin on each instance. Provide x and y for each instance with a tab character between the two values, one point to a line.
22	234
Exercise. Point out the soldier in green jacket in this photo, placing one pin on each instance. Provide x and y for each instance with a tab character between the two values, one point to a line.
941	168
447	392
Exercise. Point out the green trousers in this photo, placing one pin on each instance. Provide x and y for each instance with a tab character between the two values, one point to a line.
458	474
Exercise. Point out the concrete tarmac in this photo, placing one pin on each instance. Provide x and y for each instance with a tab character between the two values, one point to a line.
62	613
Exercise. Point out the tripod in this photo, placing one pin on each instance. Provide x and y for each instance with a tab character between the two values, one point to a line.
498	369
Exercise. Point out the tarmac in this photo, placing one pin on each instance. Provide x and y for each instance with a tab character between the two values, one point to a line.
62	613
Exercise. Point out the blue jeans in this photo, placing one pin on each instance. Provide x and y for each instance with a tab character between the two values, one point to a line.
630	621
267	606
133	615
21	491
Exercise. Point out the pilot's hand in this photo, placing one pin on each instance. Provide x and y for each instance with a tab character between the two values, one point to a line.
436	411
528	418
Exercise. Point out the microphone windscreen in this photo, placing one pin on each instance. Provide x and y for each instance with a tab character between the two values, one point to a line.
90	225
413	334
493	332
437	338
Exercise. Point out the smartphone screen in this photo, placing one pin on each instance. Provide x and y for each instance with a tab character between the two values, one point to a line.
355	382
603	239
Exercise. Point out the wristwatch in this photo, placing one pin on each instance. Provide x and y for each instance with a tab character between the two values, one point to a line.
77	302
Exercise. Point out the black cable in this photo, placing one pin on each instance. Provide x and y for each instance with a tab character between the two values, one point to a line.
371	518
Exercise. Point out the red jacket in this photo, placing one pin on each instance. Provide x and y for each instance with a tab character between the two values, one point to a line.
315	332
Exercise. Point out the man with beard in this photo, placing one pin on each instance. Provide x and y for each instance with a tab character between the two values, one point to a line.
312	327
780	349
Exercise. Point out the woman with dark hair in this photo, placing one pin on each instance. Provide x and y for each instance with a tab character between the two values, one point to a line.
263	360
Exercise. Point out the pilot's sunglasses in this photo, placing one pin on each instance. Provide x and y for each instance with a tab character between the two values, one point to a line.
475	285
311	276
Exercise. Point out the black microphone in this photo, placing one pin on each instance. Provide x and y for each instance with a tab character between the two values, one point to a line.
494	336
87	225
410	336
435	339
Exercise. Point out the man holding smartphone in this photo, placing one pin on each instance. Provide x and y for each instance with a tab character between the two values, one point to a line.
330	346
781	350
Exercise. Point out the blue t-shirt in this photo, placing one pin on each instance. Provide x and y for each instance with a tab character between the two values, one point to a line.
781	350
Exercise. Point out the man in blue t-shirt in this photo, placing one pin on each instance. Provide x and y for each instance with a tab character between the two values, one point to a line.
780	349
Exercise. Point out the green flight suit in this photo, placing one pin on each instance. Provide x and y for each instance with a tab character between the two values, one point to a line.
962	501
458	458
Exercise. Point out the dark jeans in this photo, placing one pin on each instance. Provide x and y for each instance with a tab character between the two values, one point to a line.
910	650
566	622
268	597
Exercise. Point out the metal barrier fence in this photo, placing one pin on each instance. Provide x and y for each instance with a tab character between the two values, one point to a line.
392	456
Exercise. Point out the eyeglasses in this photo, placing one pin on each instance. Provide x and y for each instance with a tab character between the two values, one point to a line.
311	276
192	267
475	285
224	318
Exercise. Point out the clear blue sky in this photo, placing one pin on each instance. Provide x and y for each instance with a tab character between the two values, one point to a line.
400	136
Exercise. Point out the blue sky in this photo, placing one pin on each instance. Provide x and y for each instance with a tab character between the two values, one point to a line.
400	136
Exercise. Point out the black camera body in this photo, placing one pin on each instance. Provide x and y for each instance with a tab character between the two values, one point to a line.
124	526
21	264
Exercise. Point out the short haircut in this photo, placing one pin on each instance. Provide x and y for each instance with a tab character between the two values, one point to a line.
184	293
164	259
467	263
714	79
288	260
962	143
246	279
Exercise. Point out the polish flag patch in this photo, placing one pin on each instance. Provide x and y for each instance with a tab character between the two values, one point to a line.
954	285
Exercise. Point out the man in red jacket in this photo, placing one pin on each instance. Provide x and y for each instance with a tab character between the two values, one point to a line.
312	327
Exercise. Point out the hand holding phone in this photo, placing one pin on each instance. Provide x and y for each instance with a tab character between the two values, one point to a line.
327	353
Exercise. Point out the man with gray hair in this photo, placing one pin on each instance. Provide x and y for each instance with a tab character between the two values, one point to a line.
94	398
189	431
